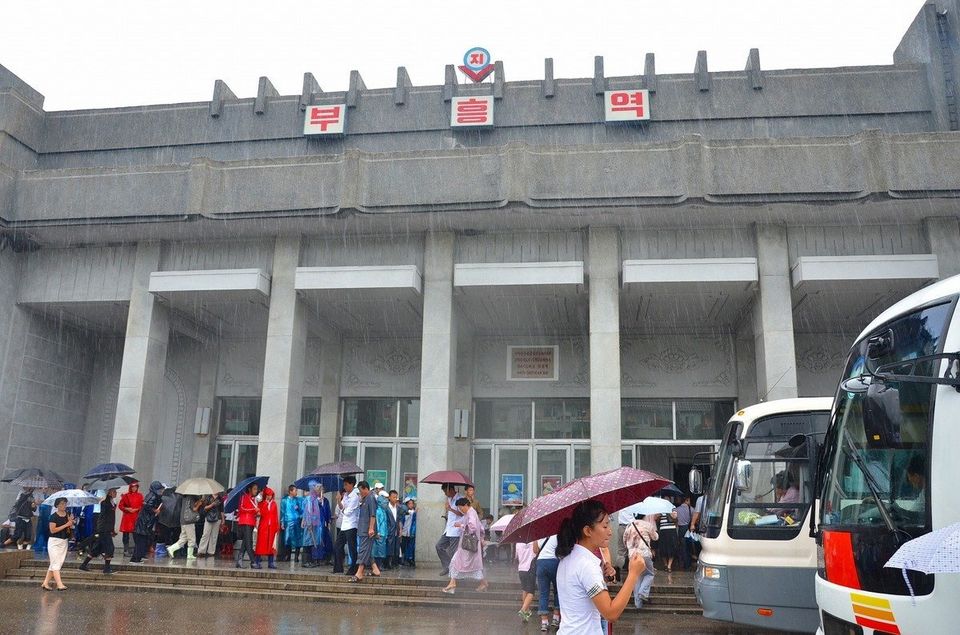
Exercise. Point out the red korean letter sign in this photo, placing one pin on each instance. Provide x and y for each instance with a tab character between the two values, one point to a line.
471	111
325	120
626	105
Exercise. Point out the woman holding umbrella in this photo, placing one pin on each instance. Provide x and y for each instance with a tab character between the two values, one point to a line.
61	525
580	582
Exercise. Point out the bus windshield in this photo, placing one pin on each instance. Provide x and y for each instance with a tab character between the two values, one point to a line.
720	482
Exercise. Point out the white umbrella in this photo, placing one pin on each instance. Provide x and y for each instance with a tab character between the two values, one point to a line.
502	523
649	505
936	552
200	487
75	498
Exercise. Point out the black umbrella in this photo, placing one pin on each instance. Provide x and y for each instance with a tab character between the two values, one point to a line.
109	470
670	490
38	473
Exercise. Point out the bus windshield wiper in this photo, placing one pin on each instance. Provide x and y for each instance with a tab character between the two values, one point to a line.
850	449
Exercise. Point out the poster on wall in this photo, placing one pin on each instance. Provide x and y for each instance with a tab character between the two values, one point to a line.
549	483
409	485
377	476
533	363
511	490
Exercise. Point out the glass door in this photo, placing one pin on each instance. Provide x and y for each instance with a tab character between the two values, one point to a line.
308	453
235	460
377	463
552	469
512	482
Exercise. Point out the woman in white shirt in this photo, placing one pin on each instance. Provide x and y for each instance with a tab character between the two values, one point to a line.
580	583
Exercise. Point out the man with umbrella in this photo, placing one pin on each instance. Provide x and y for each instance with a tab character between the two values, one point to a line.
105	531
347	536
21	514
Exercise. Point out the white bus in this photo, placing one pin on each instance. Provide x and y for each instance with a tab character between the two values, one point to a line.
891	472
758	559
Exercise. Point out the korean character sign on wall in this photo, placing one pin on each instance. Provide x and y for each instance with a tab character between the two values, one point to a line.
471	112
626	105
325	120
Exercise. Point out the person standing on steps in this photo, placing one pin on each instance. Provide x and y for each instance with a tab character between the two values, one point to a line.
189	515
448	542
61	525
105	531
347	536
467	562
212	518
291	513
247	513
147	521
268	529
130	504
367	524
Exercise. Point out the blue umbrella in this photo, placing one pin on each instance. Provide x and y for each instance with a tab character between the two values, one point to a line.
330	482
110	470
233	498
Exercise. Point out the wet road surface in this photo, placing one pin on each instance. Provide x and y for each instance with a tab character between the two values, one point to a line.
26	610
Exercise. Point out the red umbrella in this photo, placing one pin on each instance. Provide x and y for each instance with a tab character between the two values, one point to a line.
616	489
447	476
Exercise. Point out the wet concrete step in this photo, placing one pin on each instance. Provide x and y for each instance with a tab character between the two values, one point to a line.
442	601
383	587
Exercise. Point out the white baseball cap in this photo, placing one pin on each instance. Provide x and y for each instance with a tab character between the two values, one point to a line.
378	485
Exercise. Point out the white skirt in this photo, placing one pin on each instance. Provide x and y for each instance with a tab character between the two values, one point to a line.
57	550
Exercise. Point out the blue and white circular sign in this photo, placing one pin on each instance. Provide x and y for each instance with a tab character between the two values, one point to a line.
477	58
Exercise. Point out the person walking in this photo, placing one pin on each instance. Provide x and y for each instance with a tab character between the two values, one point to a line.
105	530
60	526
527	571
684	520
291	514
189	515
347	536
467	561
581	586
247	513
212	518
639	538
448	542
147	521
366	523
547	563
22	516
668	545
267	530
130	504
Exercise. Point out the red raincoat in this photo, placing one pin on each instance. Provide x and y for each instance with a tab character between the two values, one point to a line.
269	527
129	519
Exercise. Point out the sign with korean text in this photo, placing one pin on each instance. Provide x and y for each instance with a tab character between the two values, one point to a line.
533	363
377	476
626	105
476	64
325	120
511	490
471	112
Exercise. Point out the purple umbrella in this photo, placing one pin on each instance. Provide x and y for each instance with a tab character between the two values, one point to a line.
338	468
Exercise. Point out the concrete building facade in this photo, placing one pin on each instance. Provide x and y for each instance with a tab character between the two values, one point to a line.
201	289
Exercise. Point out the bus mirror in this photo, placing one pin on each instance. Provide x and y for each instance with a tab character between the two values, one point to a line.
882	416
797	440
880	345
744	475
695	481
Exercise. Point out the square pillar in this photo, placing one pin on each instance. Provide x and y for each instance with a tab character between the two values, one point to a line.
604	284
773	317
142	370
331	352
206	398
282	370
437	379
943	237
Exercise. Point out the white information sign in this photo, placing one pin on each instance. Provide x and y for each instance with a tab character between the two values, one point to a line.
471	112
325	120
533	363
626	105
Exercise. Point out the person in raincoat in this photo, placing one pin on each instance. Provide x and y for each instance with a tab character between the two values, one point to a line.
267	530
147	522
316	517
291	513
408	533
130	504
383	531
467	563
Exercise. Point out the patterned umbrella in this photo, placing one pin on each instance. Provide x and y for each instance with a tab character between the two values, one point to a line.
454	477
936	552
108	470
616	489
75	498
31	471
46	479
338	468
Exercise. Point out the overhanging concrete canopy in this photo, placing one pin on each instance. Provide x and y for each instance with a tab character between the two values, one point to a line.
359	277
517	274
720	270
857	269
224	300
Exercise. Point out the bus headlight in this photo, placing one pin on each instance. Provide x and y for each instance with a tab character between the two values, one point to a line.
711	573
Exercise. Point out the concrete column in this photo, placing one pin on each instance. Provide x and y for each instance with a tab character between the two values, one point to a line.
437	379
943	236
142	370
603	270
282	370
206	398
773	317
460	449
331	354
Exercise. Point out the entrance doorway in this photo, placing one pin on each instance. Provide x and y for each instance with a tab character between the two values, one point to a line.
236	459
393	461
672	461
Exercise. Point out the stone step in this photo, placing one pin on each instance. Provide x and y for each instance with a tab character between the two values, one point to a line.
384	587
440	601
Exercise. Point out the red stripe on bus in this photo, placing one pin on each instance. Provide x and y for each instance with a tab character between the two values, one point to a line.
838	559
883	627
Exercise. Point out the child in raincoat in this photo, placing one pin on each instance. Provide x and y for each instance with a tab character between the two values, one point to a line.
267	530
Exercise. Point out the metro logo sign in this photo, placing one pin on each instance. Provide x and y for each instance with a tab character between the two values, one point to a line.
626	105
325	120
471	112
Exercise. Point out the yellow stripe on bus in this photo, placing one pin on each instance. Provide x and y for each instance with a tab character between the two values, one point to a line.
878	614
870	601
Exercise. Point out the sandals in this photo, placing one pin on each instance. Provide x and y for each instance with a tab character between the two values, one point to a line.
449	590
45	587
354	579
482	588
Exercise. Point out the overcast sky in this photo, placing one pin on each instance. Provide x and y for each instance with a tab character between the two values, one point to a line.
92	54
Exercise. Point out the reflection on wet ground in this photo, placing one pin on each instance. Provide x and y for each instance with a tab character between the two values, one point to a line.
27	610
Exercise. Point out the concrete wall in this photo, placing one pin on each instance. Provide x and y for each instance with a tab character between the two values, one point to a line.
380	368
101	410
820	361
240	372
490	371
669	366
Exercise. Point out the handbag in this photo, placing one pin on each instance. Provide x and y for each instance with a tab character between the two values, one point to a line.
470	542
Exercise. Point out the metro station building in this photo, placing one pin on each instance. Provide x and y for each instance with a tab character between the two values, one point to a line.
204	289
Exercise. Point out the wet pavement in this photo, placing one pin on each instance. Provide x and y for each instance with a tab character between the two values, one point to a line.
26	610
